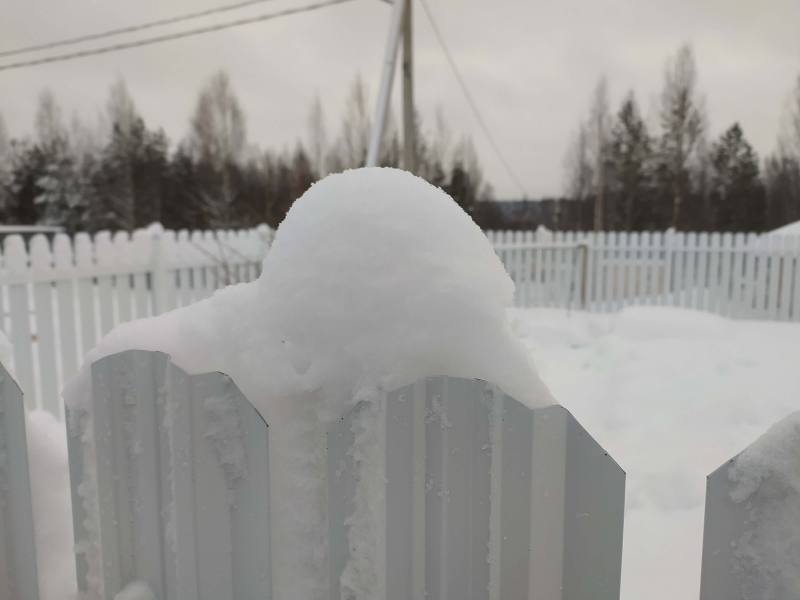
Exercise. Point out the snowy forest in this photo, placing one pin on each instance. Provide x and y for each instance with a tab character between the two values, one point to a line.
621	176
121	174
623	171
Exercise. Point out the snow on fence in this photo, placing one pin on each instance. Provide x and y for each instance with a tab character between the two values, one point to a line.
484	497
751	538
18	580
58	300
742	276
180	496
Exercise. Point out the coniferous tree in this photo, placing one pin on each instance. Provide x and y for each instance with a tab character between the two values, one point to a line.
631	162
735	184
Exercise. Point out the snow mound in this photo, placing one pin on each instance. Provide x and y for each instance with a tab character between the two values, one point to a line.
376	279
767	476
648	323
136	590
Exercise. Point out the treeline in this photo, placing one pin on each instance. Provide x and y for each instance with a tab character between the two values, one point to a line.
121	174
622	176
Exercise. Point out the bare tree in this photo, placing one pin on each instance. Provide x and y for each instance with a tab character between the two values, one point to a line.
217	138
317	138
578	166
353	144
683	124
599	132
49	123
5	165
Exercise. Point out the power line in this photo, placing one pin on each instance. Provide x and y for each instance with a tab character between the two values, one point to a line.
470	100
131	28
168	37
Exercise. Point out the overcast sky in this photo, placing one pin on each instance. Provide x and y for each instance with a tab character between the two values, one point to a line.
531	66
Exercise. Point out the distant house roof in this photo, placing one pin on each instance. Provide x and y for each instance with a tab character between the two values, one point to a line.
790	229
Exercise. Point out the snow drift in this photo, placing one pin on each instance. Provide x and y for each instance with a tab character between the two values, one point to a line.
375	280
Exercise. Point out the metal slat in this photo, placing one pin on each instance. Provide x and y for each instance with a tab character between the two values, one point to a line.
18	578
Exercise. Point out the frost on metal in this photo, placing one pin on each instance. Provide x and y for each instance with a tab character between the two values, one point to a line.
751	539
449	489
18	579
170	484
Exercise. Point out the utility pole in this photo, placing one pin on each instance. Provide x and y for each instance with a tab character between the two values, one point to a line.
384	95
409	128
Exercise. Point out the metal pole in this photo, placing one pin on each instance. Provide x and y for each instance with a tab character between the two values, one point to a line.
386	82
409	130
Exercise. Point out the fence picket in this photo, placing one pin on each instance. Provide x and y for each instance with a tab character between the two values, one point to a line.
774	247
18	576
123	252
785	285
65	296
16	259
689	275
712	297
796	301
42	261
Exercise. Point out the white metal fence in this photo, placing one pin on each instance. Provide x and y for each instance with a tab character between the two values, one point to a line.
742	276
485	498
59	298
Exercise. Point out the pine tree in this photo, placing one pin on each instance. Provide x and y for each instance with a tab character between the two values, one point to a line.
631	158
736	187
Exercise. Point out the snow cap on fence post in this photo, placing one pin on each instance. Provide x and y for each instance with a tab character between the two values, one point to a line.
751	536
375	280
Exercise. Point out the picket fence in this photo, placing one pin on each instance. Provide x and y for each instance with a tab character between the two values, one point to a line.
60	298
741	276
485	498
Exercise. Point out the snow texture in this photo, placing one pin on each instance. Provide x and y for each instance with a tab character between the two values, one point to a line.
671	394
376	279
767	476
136	590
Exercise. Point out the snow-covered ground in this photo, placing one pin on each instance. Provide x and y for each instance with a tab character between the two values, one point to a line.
671	394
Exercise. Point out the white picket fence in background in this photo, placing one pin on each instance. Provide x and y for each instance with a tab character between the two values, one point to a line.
60	299
741	276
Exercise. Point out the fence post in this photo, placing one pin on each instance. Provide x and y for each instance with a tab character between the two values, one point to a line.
18	578
482	497
181	472
159	276
751	533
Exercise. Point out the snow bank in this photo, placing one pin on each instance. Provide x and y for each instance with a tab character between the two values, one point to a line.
136	590
375	279
767	476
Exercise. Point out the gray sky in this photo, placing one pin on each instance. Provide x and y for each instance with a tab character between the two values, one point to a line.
531	66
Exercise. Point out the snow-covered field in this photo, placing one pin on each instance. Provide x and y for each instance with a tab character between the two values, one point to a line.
671	394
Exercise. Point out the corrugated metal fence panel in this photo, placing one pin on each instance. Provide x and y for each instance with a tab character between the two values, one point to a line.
18	579
182	481
484	498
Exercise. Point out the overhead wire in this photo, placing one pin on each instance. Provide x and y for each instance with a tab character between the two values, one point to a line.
171	36
470	99
131	28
